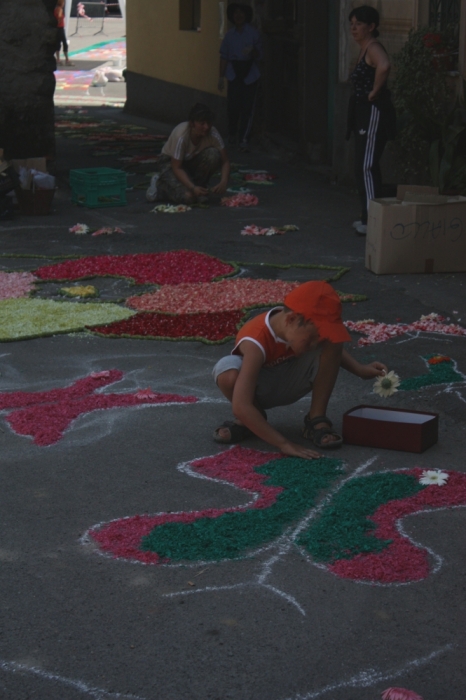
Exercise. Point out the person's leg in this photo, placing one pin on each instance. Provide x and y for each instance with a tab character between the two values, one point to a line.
204	165
376	173
280	385
248	106
287	382
324	383
366	163
59	43
225	374
234	107
169	188
65	49
360	136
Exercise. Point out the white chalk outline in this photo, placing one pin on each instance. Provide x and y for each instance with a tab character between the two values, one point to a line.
97	693
438	560
449	387
446	384
283	543
364	679
107	389
370	677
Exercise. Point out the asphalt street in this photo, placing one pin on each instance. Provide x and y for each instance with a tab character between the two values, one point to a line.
271	624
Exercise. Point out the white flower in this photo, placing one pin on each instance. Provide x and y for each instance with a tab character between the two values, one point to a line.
433	477
170	208
387	384
431	317
79	228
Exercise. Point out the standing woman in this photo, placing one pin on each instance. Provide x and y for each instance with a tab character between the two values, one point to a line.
240	50
59	13
371	114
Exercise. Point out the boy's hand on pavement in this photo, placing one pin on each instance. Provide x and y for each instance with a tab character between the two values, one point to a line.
293	450
373	370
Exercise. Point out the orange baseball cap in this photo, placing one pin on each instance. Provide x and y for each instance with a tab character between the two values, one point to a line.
318	302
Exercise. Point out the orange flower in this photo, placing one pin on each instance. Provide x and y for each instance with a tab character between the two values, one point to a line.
438	358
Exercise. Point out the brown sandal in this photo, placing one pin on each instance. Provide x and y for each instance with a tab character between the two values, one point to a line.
310	432
238	433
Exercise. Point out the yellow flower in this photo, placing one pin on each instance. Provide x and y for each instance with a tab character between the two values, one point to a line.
80	291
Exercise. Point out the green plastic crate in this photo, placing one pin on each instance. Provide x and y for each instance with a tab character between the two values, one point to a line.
98	187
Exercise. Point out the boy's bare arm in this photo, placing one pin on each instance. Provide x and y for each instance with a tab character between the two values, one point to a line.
245	411
370	371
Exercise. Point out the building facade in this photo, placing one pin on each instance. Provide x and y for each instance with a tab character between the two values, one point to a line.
173	61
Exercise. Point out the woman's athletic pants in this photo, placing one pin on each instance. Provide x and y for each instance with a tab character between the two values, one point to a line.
370	142
241	103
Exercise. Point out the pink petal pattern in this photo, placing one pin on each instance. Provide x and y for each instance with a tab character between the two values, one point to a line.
122	537
400	694
226	295
401	561
45	415
380	332
240	200
16	285
172	267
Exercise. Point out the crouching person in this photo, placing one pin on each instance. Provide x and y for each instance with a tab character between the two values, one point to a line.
281	356
193	153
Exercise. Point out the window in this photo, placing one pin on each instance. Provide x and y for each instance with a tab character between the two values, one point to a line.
444	13
190	15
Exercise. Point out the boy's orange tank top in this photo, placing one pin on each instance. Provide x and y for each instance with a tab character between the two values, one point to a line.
260	332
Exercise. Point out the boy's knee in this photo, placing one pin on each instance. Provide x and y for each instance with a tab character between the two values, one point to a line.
227	380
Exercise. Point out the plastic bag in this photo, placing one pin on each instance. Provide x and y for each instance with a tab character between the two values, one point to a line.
43	181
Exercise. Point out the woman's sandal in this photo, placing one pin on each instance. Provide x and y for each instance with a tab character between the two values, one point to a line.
238	433
310	432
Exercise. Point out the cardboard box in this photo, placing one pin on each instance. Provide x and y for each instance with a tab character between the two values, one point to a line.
403	190
390	428
30	163
422	232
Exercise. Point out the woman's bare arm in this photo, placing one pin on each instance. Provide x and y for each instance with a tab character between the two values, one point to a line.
377	57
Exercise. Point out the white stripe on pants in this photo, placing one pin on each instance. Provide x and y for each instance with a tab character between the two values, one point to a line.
369	156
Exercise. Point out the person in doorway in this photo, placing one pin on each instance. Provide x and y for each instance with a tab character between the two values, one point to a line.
371	115
240	51
280	357
193	153
59	13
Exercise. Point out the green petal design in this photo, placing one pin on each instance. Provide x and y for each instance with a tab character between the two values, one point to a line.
21	319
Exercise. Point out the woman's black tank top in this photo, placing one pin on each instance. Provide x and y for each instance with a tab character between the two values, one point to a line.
363	78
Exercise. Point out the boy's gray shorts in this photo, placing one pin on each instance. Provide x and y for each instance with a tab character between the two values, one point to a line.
281	384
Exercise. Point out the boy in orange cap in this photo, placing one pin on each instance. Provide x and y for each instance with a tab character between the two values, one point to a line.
281	356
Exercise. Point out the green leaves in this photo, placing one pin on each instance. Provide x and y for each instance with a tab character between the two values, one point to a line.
432	136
